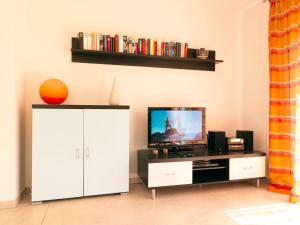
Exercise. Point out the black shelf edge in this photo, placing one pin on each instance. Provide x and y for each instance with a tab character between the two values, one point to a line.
45	106
128	59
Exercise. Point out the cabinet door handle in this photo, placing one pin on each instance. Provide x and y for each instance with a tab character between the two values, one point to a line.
87	152
170	174
77	153
248	168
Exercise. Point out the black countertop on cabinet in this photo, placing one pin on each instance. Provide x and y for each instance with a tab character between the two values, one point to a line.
45	106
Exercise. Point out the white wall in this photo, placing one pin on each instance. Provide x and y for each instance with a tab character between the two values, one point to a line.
236	95
48	29
12	102
255	71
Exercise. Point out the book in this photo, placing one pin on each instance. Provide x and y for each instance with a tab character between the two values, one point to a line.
152	47
174	49
80	38
155	47
101	47
120	43
139	44
166	48
162	49
112	44
108	43
97	42
89	41
182	50
144	46
125	48
105	43
94	41
177	51
158	48
148	46
135	47
117	46
85	45
130	44
171	49
185	50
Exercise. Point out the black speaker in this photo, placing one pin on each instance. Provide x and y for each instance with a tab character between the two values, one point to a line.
247	135
216	141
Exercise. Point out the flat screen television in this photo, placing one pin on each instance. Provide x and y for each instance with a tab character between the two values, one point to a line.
176	126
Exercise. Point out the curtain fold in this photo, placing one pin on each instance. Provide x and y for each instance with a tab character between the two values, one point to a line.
284	57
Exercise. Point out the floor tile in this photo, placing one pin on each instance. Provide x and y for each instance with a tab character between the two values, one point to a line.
188	205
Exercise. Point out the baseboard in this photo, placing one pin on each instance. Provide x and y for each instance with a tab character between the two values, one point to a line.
135	180
13	203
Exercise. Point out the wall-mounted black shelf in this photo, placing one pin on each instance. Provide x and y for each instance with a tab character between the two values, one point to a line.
127	59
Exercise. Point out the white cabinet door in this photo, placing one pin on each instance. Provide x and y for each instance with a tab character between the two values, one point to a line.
170	173
106	150
57	154
244	168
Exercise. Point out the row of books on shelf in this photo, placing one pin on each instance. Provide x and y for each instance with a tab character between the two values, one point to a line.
126	44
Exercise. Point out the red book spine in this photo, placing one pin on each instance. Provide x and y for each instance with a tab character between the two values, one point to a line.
108	43
155	47
185	50
136	49
117	43
162	49
146	47
143	47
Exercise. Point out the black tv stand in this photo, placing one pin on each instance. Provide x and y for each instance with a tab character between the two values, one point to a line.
185	153
198	167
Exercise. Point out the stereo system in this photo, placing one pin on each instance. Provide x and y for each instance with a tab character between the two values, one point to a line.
217	141
235	144
247	135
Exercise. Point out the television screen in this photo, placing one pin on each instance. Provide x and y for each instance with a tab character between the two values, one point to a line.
175	126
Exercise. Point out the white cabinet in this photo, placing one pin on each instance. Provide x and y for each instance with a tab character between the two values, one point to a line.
106	161
57	163
244	168
78	151
170	173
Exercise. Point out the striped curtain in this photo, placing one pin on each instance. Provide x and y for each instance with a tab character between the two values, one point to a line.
284	53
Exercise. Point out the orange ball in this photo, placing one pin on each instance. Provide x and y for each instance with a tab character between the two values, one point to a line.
53	91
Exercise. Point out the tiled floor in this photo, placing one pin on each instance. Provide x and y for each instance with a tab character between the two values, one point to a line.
212	204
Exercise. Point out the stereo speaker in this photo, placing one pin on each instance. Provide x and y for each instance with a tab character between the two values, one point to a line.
216	141
247	135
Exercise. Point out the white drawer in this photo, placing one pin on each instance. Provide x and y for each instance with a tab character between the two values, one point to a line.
170	173
244	168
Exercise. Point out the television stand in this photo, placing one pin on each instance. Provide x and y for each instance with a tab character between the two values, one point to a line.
185	153
172	169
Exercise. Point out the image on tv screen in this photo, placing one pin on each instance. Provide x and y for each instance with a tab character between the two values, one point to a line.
176	126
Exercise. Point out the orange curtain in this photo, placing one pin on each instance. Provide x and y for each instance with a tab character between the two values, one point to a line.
284	53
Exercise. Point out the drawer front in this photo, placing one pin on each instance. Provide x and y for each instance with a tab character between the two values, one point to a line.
244	168
170	173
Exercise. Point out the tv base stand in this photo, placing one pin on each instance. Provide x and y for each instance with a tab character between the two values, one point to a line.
165	170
